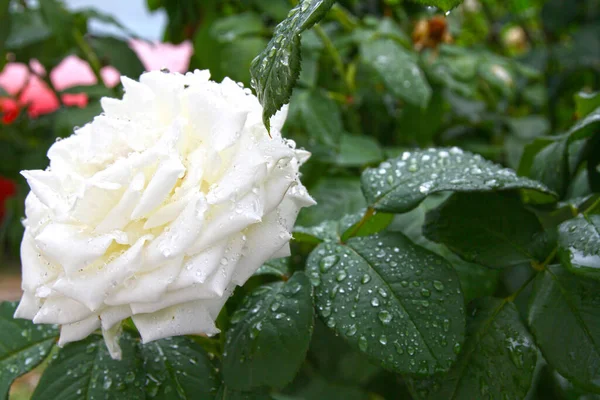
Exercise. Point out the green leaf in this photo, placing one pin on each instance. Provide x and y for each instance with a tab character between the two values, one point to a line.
231	28
85	370
395	301
445	5
579	245
399	185
498	358
421	125
279	267
93	91
399	70
565	320
116	52
269	336
335	198
358	150
27	28
23	345
585	103
226	393
178	368
585	127
492	229
321	117
275	70
550	166
67	119
60	22
4	29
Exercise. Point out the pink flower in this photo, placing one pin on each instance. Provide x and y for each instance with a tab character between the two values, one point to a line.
36	96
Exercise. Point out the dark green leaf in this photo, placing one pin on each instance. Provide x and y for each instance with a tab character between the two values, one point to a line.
178	368
94	14
335	198
59	20
279	267
586	103
550	166
564	315
492	229
226	393
498	359
395	301
399	70
4	29
399	185
23	345
445	5
275	70
85	370
269	335
579	245
322	389
116	52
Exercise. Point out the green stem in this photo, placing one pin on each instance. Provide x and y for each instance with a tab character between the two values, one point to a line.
90	56
335	55
592	206
366	217
516	294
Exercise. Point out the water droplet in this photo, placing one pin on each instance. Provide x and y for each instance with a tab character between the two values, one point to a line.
438	285
351	331
375	302
327	262
425	292
383	340
341	275
362	343
366	278
385	317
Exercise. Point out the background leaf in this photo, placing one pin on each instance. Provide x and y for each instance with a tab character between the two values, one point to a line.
579	245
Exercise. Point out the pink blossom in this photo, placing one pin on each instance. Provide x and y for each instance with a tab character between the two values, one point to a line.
35	95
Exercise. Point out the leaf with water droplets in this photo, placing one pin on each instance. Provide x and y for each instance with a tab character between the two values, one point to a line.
179	368
497	362
269	335
399	70
395	301
564	315
23	345
85	370
579	245
275	71
400	184
491	229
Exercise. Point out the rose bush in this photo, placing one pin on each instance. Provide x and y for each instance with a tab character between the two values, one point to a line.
157	209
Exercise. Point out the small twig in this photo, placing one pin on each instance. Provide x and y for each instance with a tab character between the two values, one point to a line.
335	55
516	294
366	217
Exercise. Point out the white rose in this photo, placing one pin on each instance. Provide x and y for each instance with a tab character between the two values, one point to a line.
157	209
